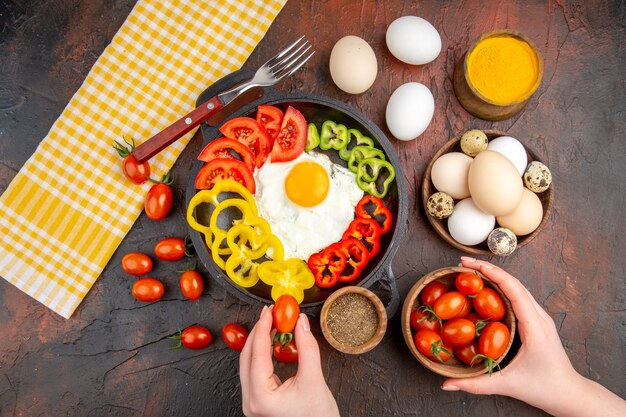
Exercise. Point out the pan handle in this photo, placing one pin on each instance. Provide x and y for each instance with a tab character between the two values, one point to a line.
386	283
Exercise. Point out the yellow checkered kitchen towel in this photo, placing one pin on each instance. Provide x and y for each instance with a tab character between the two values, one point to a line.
70	206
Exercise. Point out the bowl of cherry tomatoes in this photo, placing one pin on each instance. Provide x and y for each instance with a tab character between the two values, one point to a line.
458	323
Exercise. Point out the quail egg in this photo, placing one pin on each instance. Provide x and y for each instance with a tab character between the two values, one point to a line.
537	177
440	205
473	141
502	241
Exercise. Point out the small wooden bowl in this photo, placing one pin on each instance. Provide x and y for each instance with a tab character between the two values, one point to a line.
477	104
441	225
380	329
453	368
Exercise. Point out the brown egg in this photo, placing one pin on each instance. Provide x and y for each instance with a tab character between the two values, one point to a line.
526	217
494	183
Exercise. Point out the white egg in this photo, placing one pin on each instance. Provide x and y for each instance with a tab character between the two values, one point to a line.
306	230
468	225
353	65
512	149
409	111
413	40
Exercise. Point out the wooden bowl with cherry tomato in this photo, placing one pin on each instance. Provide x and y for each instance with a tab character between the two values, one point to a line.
475	323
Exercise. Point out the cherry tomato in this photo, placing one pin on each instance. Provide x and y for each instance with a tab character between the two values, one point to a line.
431	292
224	169
429	343
170	249
158	201
467	307
234	335
421	320
467	353
494	340
458	332
468	283
287	353
195	337
489	305
148	289
135	171
449	305
191	284
249	132
291	139
136	263
224	148
270	118
285	313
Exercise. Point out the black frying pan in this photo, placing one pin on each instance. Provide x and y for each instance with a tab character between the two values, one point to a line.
378	275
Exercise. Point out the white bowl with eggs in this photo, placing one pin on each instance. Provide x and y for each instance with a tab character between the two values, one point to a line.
270	180
496	187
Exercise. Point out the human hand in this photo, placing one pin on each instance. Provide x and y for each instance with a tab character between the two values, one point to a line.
541	374
263	394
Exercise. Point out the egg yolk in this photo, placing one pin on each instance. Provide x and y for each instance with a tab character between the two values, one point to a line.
307	184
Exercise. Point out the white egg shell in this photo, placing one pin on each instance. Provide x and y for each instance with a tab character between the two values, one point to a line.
413	40
449	174
353	65
512	149
468	225
409	110
526	217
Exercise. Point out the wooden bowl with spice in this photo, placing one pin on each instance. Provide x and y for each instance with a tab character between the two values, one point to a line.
453	367
353	320
498	75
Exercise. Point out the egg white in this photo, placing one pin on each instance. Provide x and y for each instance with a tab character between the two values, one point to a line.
306	230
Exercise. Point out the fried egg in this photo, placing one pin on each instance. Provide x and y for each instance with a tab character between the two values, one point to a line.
309	202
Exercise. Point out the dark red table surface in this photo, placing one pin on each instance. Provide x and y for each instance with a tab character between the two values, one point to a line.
113	358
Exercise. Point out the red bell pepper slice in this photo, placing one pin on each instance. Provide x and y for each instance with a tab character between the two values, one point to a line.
380	213
367	231
357	256
327	265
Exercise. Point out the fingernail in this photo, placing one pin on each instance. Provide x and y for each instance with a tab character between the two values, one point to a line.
263	310
468	259
450	388
304	322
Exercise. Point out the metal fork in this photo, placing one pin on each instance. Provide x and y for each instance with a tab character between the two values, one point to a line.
277	68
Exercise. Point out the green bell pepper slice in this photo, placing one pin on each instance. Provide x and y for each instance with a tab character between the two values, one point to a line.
333	136
313	138
360	140
360	153
369	178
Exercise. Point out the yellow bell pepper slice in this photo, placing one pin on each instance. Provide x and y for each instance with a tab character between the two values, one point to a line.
292	277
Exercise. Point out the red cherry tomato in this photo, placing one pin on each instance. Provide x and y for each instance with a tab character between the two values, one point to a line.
148	289
158	201
134	170
421	320
429	343
291	139
270	118
467	307
494	340
191	284
136	263
235	336
170	249
467	353
196	337
458	332
287	353
489	305
431	292
449	305
224	169
285	313
468	283
249	132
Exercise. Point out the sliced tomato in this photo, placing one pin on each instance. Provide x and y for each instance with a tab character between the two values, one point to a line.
270	118
224	169
249	132
291	139
224	148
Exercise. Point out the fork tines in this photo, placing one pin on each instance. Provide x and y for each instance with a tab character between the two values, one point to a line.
290	59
